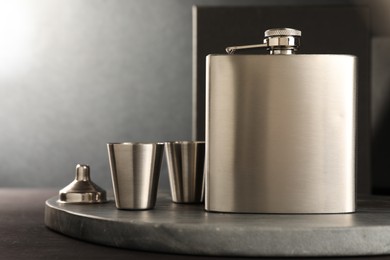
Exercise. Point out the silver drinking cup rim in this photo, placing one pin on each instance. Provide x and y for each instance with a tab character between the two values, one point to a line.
185	142
137	143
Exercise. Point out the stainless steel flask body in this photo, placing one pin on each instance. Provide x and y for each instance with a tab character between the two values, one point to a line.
280	133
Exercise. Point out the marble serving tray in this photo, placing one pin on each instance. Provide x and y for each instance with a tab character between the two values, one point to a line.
188	229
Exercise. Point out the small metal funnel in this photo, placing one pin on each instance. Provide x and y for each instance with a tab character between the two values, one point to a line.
82	189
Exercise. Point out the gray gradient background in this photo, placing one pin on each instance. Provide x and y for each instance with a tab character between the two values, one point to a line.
76	74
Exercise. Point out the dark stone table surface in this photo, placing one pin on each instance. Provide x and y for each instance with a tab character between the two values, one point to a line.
23	234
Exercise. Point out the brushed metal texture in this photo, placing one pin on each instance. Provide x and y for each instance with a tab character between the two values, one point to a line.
185	161
280	133
82	189
135	171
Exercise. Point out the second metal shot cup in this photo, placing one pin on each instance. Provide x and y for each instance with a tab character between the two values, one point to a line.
185	161
135	170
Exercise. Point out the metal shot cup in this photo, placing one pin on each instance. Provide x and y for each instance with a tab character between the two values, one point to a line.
185	161
135	171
